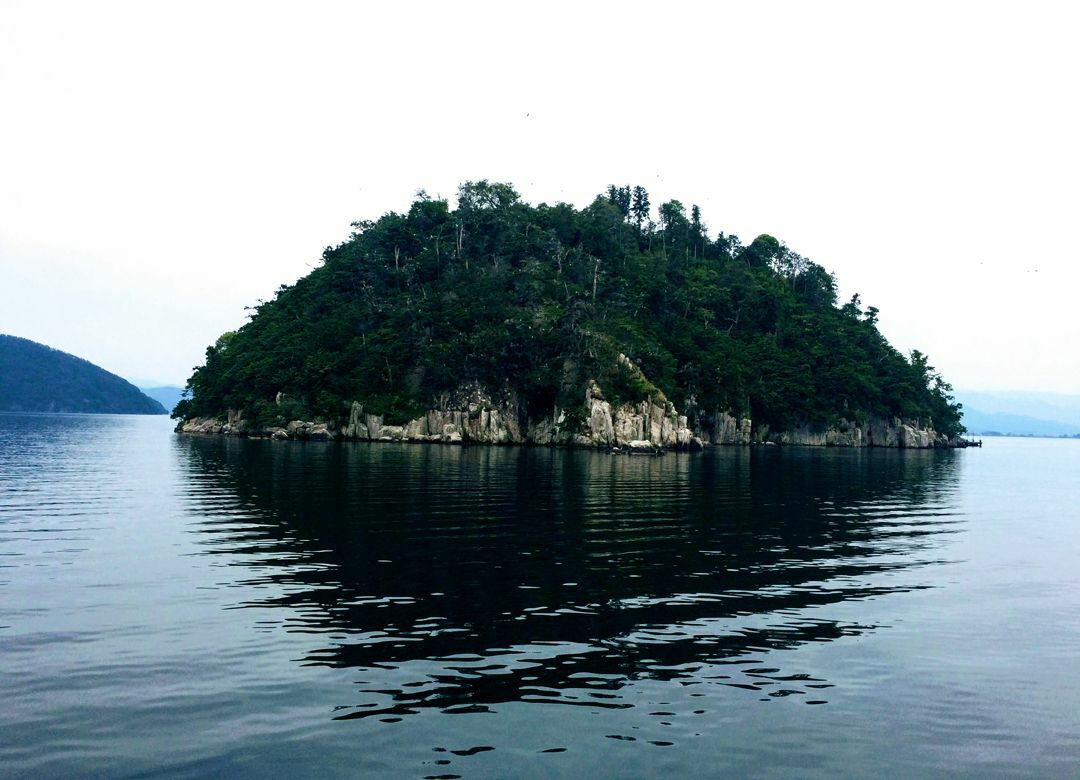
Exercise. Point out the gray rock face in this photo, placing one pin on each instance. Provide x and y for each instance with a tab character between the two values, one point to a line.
880	433
877	432
845	434
727	429
301	429
472	415
802	435
916	438
320	432
207	426
650	421
391	433
468	415
621	429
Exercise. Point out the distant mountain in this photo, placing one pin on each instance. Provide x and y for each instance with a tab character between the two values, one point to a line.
1015	424
1020	413
37	378
166	395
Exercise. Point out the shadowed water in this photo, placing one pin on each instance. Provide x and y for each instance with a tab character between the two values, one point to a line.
196	605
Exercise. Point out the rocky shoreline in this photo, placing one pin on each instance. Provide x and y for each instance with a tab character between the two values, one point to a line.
472	416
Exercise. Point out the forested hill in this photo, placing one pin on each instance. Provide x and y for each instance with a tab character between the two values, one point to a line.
37	378
538	300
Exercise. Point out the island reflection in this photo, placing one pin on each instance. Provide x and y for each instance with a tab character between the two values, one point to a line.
462	578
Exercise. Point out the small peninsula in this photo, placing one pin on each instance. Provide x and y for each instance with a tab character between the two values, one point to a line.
37	378
502	322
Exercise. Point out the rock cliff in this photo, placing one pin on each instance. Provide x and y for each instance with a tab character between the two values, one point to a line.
472	415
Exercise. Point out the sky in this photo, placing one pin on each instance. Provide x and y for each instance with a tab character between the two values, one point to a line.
164	166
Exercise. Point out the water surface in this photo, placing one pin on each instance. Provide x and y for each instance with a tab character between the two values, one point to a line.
186	606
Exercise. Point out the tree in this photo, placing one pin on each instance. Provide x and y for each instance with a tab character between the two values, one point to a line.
672	216
853	308
479	195
762	252
639	206
815	286
484	209
697	229
620	198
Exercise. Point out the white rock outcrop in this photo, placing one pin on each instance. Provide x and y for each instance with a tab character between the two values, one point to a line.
473	415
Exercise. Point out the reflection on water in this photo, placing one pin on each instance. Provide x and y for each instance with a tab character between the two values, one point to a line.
203	607
457	579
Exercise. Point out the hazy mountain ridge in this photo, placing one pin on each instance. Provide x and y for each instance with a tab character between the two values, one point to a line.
1021	413
38	378
166	395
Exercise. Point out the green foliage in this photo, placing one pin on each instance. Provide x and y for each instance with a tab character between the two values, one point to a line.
574	418
624	384
539	299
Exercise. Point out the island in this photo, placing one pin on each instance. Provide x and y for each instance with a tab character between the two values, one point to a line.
502	322
37	378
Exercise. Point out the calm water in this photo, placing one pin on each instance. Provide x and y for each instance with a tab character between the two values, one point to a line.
190	606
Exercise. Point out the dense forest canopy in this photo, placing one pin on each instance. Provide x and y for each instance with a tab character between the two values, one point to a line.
543	298
37	378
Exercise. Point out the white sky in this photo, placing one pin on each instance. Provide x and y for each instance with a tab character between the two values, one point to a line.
164	165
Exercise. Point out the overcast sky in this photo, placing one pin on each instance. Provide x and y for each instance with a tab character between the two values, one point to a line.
164	165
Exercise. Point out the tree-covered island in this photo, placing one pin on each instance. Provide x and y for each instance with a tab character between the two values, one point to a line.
503	322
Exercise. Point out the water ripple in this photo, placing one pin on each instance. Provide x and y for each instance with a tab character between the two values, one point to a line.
252	606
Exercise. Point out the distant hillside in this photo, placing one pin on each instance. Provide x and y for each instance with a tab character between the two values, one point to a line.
1015	424
166	395
1021	413
37	378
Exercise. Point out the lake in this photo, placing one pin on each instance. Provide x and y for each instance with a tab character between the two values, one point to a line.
191	606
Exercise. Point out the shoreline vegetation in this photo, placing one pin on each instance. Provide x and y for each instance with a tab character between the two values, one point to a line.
499	322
